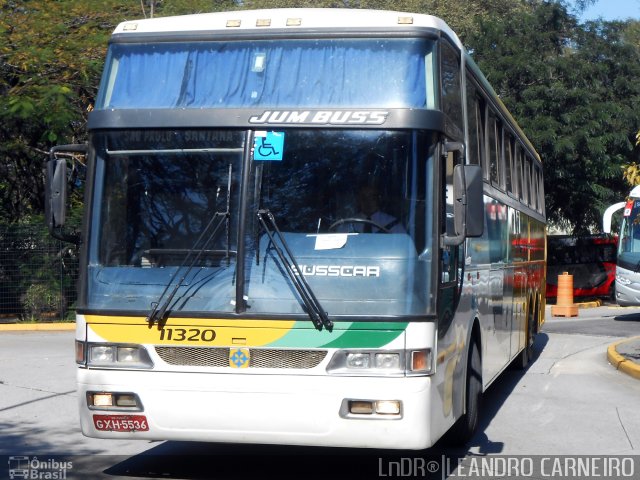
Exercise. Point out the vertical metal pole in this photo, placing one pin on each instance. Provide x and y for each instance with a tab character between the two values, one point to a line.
244	211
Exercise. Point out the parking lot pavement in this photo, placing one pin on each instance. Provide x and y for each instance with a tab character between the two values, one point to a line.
623	355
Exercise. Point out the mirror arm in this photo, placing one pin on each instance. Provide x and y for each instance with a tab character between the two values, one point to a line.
55	201
82	148
448	147
59	234
451	240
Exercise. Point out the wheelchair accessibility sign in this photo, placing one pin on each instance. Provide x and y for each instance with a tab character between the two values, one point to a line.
268	146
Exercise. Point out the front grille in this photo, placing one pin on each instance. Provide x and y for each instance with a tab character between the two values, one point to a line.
259	357
194	356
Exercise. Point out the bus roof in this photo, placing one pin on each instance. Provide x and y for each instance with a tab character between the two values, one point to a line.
288	19
303	21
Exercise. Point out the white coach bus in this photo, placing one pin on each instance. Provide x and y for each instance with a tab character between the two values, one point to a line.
303	226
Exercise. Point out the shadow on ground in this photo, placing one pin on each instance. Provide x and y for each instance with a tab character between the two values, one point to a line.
195	460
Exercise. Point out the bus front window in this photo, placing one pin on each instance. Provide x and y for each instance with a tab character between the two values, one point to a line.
161	203
352	207
354	210
630	231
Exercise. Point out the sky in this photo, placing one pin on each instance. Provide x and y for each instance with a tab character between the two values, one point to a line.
612	10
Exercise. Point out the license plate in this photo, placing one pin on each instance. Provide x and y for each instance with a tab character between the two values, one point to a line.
121	423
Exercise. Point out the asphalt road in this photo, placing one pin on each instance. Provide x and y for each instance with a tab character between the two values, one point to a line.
570	401
608	320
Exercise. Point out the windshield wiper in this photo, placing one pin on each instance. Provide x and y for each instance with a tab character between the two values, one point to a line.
159	310
315	311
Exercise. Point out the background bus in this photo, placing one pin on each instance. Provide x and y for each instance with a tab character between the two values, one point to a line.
627	283
591	259
236	288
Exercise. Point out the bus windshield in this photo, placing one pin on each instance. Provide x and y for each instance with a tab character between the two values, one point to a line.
353	207
629	242
270	73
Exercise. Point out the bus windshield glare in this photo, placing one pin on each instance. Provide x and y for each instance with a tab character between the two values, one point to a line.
270	73
352	205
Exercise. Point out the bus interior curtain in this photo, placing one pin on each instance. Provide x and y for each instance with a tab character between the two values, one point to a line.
222	75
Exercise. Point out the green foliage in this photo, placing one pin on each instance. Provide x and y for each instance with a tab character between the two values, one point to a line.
574	90
573	87
631	171
51	57
40	300
37	272
461	15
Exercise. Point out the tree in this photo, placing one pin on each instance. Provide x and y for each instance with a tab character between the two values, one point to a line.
573	88
51	60
461	15
51	57
632	169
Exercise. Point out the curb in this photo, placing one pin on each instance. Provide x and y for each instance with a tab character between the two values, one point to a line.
621	363
31	327
593	304
572	310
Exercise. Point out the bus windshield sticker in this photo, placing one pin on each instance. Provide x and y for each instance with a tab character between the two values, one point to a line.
331	241
268	146
627	209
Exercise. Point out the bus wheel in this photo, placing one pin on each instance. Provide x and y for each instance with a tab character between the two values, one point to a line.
463	430
527	353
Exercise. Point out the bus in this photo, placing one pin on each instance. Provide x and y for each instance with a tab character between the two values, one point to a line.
627	283
234	287
591	259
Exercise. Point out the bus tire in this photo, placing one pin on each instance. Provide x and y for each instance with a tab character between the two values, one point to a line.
465	427
526	355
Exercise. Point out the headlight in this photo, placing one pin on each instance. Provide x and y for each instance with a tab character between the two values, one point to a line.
381	362
387	361
100	354
117	356
358	360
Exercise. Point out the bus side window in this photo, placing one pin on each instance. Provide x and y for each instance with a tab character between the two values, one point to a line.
540	182
523	182
501	158
475	126
451	91
450	255
508	160
528	181
482	133
515	177
494	151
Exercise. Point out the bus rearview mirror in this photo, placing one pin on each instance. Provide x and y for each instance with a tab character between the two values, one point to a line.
468	211
56	192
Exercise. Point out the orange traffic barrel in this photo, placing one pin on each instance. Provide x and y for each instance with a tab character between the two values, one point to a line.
564	304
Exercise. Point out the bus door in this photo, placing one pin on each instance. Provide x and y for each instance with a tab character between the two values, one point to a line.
519	241
450	262
449	307
500	286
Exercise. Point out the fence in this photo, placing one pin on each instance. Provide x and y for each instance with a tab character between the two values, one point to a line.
38	275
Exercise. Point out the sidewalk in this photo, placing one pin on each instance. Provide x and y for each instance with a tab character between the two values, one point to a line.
625	356
29	327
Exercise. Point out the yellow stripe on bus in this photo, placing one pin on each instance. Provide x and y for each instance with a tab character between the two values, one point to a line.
194	332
